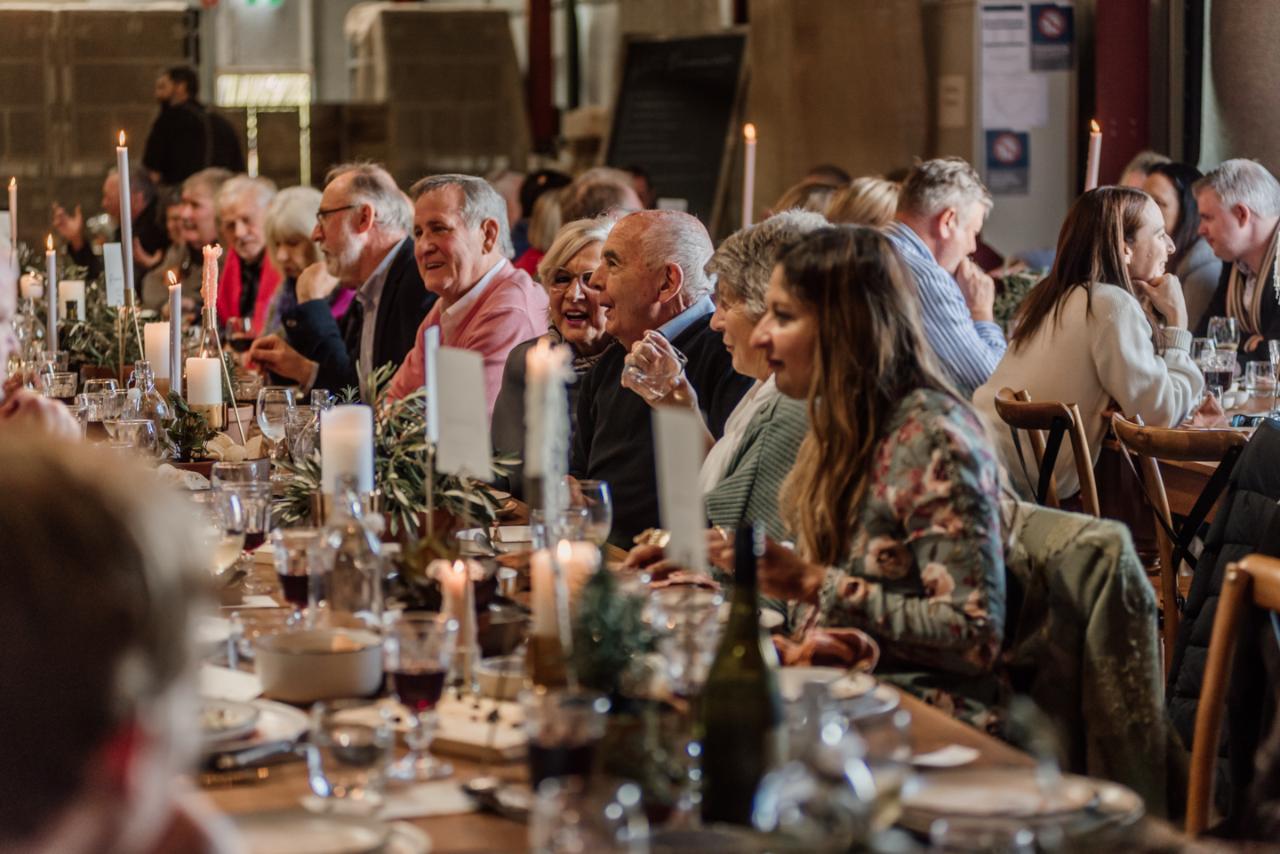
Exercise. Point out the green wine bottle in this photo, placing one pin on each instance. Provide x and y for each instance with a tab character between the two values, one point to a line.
742	726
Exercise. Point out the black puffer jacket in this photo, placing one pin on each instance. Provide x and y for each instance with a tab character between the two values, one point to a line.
1248	521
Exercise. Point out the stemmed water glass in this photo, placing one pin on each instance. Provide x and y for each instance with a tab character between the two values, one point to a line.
255	498
418	650
1225	332
223	527
593	497
274	403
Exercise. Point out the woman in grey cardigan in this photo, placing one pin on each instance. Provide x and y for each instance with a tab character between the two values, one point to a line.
742	471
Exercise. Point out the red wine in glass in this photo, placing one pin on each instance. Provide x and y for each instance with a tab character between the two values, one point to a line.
295	589
420	690
241	345
560	760
1220	378
253	539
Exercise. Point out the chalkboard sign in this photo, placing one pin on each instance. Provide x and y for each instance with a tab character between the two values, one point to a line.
675	116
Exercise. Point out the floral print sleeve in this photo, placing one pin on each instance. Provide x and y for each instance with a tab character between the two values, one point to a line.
925	574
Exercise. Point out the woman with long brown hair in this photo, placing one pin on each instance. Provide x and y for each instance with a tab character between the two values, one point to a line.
1083	336
893	498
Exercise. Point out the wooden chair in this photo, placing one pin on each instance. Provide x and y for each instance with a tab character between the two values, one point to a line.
1150	445
1059	419
1255	579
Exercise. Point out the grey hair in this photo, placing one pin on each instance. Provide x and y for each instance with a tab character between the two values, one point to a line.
745	260
139	181
945	182
480	201
675	237
572	238
211	179
1241	181
292	213
263	190
373	185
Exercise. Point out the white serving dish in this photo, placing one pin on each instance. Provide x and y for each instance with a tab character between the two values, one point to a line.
319	664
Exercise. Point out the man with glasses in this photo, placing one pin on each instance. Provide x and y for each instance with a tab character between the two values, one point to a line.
362	228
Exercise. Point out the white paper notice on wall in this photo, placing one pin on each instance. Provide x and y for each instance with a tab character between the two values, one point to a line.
1006	39
678	437
1018	102
113	262
463	447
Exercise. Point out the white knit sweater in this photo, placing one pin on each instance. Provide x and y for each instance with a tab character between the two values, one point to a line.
1093	359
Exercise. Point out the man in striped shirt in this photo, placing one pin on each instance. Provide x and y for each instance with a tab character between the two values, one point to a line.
941	209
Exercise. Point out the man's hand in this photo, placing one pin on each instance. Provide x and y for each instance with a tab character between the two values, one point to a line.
979	291
272	353
315	283
26	410
70	227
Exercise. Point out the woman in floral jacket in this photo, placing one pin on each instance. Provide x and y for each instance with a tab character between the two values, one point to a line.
894	497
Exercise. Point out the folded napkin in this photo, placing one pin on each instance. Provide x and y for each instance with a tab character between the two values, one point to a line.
190	480
222	683
415	801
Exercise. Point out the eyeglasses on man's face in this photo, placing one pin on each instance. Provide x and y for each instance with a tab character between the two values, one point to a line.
324	212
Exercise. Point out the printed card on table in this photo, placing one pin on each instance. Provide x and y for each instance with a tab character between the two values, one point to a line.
113	261
678	439
458	399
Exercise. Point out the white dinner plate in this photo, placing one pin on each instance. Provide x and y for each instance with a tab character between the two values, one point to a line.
301	832
276	722
997	793
843	684
223	721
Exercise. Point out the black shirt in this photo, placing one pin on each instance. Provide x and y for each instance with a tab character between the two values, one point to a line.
250	275
187	138
614	436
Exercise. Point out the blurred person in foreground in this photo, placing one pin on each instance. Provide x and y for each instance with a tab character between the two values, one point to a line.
21	409
1240	218
99	702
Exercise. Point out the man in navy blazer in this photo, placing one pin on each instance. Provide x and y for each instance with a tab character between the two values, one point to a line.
362	229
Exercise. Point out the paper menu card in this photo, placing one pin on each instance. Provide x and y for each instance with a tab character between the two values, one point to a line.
678	440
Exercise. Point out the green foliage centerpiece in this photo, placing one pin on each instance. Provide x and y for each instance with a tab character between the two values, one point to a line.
400	470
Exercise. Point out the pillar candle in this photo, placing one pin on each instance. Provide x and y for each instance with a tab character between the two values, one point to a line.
51	292
175	335
156	346
346	446
126	211
578	561
457	586
748	173
204	382
209	280
72	291
546	450
1095	155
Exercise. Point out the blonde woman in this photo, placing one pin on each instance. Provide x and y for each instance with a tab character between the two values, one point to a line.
893	499
290	219
576	318
866	201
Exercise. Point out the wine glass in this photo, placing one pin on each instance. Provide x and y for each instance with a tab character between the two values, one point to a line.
418	650
255	498
1200	348
240	333
1225	332
296	552
223	528
99	385
274	403
593	497
301	430
1219	369
649	370
137	434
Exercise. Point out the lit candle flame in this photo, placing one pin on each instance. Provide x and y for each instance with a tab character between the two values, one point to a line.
564	552
1094	127
49	242
13	183
122	139
458	567
749	131
172	277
